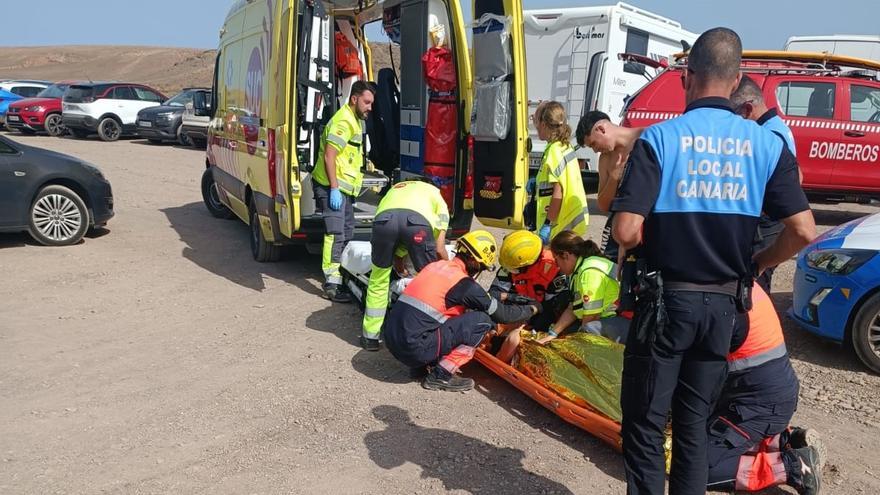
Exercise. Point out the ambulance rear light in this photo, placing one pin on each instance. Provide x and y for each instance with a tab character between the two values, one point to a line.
469	180
271	155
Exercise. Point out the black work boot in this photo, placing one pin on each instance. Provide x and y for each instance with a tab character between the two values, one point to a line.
336	293
807	437
802	469
369	344
440	379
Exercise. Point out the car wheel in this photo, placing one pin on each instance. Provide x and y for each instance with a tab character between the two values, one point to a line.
211	197
261	250
154	141
54	126
109	129
866	333
58	217
79	133
183	139
27	132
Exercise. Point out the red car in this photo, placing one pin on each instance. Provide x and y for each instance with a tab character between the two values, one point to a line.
830	103
40	113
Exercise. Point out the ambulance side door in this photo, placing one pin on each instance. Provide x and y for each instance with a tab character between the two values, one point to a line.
860	169
500	118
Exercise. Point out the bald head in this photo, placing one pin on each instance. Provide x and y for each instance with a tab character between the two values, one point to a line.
747	91
716	55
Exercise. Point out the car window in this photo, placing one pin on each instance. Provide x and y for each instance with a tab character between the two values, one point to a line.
5	149
53	91
637	43
26	91
147	95
123	93
806	99
180	99
864	103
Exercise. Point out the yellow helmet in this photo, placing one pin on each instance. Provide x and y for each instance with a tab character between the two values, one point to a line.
479	244
519	249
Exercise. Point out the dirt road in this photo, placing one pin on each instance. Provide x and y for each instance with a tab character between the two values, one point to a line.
160	358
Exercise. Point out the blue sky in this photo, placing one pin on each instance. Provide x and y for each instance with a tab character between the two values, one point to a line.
195	23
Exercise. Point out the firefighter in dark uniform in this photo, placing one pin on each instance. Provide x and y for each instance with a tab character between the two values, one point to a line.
337	182
691	193
443	314
751	446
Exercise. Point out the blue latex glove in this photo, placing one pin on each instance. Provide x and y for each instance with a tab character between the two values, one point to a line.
544	233
335	199
530	186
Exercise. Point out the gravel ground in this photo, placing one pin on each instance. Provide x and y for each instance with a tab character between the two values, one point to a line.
160	358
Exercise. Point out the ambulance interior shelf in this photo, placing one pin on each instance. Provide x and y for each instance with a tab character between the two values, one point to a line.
492	71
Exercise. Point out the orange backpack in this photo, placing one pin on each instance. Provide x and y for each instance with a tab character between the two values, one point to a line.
348	62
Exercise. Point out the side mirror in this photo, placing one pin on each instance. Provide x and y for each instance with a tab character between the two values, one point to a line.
200	105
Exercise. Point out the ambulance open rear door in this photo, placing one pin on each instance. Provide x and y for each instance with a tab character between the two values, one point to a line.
499	125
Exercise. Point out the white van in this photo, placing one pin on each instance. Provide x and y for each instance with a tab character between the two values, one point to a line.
572	57
849	45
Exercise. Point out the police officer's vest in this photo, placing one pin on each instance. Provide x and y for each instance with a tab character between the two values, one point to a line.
606	300
712	161
421	198
561	160
427	291
537	278
765	341
348	161
777	125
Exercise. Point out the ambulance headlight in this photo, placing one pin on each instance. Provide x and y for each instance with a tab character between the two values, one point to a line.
838	261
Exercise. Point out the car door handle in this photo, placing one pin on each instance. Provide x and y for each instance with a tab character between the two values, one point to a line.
854	133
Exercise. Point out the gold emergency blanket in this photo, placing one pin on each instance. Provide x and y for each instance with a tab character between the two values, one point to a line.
584	368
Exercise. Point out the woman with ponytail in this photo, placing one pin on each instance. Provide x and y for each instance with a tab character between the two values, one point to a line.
561	200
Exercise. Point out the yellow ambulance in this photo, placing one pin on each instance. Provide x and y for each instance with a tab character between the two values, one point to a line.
283	69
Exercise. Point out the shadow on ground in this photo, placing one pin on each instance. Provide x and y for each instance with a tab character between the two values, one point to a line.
834	217
222	247
459	461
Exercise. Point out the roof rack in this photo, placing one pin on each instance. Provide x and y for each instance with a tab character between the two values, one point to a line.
777	61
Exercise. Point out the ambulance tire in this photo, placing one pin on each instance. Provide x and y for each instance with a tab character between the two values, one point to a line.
867	317
262	250
211	197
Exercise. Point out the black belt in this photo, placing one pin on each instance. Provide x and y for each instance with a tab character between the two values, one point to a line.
727	288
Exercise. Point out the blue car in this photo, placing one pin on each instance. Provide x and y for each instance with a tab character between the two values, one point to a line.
6	97
837	287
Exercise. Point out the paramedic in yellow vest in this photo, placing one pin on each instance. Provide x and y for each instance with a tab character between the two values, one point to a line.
561	201
337	182
594	289
411	219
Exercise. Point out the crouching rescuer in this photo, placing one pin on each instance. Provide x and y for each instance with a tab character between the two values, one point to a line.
444	313
411	219
337	182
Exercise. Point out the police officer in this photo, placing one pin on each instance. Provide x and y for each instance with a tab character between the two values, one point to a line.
692	191
750	444
337	182
748	102
411	219
561	201
443	314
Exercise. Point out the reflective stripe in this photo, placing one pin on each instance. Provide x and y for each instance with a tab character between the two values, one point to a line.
443	218
357	139
336	140
375	312
347	187
493	306
423	307
571	155
597	304
758	359
576	220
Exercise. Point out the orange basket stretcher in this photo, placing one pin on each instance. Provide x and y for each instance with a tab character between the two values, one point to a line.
586	419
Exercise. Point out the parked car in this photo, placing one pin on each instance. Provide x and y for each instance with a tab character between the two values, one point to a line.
55	197
837	287
194	123
41	113
163	123
109	109
6	98
831	103
24	88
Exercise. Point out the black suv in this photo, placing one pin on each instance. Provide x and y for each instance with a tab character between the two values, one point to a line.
162	123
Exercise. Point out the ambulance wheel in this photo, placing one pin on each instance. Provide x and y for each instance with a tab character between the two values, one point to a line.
262	250
211	197
866	333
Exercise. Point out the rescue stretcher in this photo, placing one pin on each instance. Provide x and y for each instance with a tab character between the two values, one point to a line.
355	272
